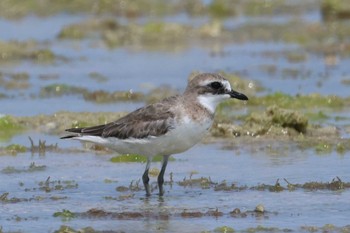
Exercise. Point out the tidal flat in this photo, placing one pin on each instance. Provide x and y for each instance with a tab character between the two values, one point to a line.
276	163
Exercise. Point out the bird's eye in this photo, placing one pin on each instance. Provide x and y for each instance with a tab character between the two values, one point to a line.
216	85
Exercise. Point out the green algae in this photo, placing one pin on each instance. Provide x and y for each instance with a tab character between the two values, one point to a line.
65	215
335	184
274	121
202	182
32	168
286	124
224	229
87	29
326	228
30	50
261	228
18	9
145	35
58	122
317	116
106	97
60	90
14	149
324	148
294	31
4	198
100	96
300	101
130	158
79	124
115	35
11	81
221	9
9	127
325	144
109	181
314	36
174	36
340	148
56	185
335	10
155	8
130	9
287	118
67	229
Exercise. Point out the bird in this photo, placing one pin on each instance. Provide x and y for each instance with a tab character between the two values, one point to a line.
171	126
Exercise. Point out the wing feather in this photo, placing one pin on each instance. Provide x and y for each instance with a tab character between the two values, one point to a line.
152	120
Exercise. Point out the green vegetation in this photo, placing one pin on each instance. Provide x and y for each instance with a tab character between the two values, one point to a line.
64	215
106	97
317	116
221	8
15	149
300	101
60	90
261	228
32	168
9	127
15	51
142	8
14	80
130	158
335	10
224	229
274	121
56	185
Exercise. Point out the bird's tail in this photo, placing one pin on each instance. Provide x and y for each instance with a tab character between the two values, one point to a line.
69	136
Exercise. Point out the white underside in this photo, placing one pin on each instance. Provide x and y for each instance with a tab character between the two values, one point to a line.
211	101
178	140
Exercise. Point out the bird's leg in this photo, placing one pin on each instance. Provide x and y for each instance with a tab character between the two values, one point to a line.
161	175
145	177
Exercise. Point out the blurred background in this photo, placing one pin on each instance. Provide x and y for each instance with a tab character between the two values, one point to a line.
58	51
73	63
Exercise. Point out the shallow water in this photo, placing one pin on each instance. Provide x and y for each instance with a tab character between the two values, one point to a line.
143	70
287	209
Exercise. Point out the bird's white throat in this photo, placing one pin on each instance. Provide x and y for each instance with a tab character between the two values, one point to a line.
210	101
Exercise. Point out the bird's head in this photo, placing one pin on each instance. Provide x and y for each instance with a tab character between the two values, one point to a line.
212	89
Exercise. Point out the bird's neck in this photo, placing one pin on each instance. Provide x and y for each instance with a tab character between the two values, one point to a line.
198	110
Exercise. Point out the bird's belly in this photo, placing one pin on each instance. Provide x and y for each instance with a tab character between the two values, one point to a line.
182	138
175	141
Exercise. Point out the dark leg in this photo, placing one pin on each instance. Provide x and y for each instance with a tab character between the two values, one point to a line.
145	177
161	175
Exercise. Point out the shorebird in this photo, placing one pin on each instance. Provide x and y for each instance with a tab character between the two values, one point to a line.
168	127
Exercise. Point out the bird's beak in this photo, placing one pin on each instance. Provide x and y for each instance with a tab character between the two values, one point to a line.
237	95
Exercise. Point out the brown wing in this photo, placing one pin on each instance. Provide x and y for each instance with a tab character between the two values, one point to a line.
152	120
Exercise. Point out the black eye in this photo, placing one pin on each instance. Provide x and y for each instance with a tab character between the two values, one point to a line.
216	85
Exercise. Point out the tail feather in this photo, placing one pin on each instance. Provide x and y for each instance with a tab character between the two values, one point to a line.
92	131
69	136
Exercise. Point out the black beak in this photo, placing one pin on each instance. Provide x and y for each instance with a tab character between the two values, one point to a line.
237	95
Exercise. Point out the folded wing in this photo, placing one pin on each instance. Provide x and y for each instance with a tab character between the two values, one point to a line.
152	120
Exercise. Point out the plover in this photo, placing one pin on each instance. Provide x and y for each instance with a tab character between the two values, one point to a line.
168	127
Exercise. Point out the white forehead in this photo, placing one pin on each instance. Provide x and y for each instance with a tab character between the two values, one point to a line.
224	82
